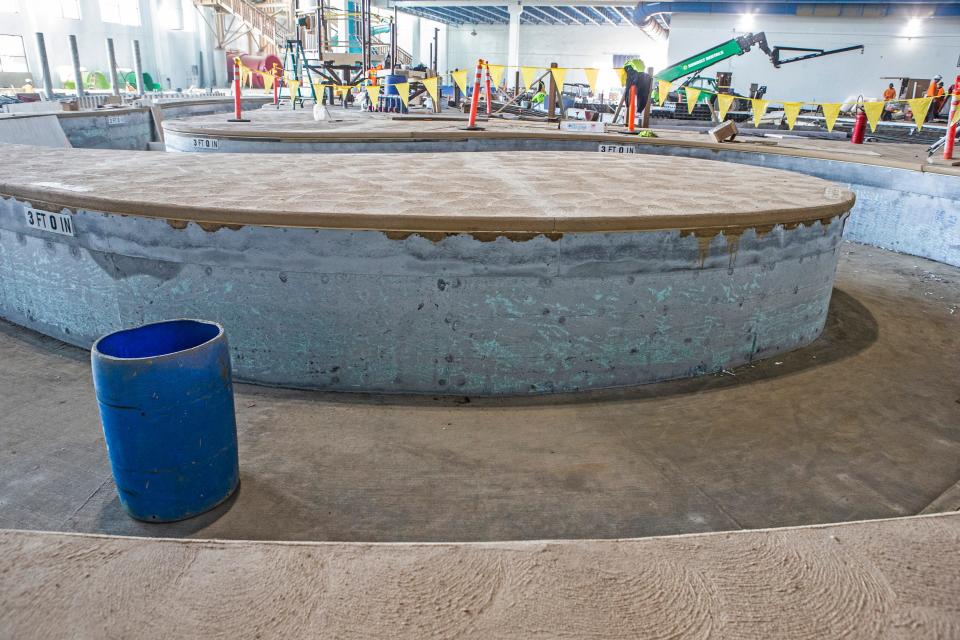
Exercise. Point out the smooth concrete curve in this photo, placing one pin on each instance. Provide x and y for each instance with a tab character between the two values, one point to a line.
906	206
675	272
875	579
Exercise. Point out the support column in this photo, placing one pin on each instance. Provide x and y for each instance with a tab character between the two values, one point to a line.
44	68
138	68
77	74
513	39
112	64
415	42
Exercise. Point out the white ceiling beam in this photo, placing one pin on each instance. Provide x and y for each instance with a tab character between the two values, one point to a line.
582	13
502	3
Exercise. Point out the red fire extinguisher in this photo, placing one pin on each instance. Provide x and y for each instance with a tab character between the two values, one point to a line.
859	126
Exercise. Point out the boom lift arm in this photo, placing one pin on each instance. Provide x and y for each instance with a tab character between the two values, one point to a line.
738	47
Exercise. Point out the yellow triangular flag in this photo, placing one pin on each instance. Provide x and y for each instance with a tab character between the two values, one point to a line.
790	111
873	110
759	108
622	75
529	74
592	75
460	77
496	73
663	88
373	92
920	107
318	90
344	89
693	95
403	88
267	81
294	86
830	112
559	73
724	100
431	85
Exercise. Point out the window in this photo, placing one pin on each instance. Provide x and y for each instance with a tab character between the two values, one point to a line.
8	6
62	8
120	11
13	58
69	9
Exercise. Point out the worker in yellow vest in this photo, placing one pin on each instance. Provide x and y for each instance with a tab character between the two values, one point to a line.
638	77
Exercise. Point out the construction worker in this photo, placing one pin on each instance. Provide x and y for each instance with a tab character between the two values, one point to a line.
539	98
889	95
932	93
638	77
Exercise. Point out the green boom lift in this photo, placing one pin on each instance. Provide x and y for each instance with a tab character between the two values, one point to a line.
736	47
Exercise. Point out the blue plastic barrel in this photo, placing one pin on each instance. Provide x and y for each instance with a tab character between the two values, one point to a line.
166	404
389	97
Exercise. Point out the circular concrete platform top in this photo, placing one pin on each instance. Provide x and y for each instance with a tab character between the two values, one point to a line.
542	192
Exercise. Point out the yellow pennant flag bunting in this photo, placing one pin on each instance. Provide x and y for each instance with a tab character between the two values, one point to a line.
830	112
496	73
622	74
790	111
373	92
403	88
267	81
460	77
529	74
873	110
663	88
692	96
919	107
431	85
724	100
294	86
592	75
344	89
559	73
318	90
759	107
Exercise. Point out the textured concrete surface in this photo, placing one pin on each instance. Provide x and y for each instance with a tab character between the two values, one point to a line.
366	311
42	131
286	130
446	192
882	579
864	423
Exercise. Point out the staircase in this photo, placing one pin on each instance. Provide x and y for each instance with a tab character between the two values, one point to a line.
273	32
262	24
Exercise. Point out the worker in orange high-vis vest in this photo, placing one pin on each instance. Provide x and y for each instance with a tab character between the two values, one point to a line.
932	89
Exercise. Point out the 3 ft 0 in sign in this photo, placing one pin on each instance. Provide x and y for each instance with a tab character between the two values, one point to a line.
61	223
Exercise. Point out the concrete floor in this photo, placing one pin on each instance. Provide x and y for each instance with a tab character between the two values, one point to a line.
865	423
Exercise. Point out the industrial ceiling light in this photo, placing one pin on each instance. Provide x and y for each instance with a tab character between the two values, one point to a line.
473	32
913	28
747	22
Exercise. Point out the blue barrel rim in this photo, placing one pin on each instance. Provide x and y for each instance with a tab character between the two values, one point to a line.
96	351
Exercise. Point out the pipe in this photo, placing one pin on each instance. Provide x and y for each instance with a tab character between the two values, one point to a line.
475	99
489	96
112	58
138	68
952	129
237	107
77	74
45	68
